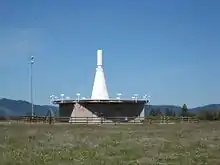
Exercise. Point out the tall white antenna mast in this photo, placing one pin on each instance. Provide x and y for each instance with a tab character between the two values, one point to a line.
99	91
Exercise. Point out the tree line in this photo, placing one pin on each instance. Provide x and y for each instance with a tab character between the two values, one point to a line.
202	115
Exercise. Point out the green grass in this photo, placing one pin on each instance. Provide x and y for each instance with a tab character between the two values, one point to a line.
65	144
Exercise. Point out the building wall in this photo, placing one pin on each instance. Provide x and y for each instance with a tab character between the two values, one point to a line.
116	111
110	111
65	111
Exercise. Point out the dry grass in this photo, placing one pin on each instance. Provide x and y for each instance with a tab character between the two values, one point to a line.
176	144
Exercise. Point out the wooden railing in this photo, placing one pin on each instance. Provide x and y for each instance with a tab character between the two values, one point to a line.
89	120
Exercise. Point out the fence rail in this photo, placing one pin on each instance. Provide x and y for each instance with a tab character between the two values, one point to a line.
88	120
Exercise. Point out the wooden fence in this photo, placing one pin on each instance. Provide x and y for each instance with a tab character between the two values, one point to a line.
93	120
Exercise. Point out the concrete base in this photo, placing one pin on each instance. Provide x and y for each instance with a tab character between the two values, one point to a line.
81	115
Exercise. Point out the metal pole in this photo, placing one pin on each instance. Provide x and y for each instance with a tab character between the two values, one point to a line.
31	86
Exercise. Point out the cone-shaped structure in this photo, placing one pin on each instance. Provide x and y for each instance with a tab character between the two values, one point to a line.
99	91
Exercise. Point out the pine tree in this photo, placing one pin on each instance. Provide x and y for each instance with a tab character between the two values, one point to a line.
184	110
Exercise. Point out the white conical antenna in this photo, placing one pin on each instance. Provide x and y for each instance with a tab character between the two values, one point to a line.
99	91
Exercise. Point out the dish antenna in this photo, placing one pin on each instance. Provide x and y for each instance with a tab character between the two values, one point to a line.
78	95
147	98
118	96
55	98
136	97
62	97
52	99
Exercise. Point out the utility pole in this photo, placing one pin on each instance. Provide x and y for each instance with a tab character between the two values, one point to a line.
31	84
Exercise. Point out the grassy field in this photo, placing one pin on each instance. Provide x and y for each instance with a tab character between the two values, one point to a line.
174	144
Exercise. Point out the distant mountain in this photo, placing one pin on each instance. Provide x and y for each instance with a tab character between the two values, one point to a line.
162	108
177	109
210	107
10	107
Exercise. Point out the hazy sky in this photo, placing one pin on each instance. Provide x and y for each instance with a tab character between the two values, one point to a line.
167	49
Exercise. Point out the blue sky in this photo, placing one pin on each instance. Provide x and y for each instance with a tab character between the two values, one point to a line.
167	49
